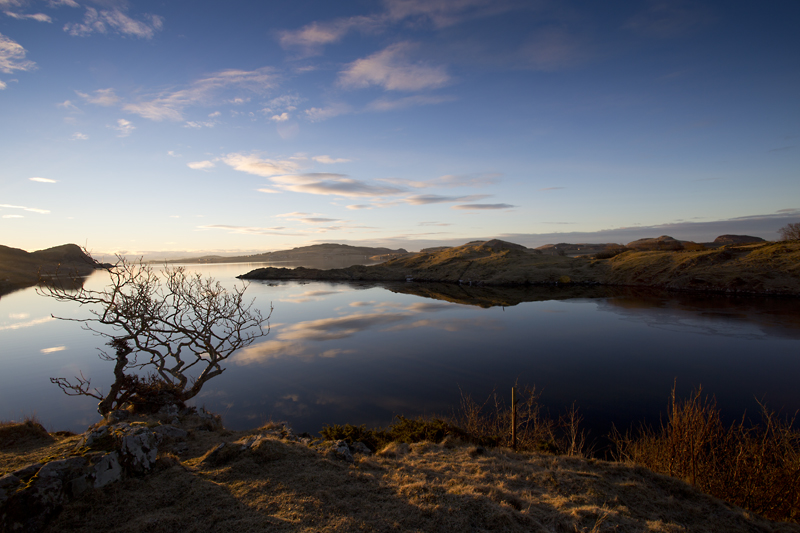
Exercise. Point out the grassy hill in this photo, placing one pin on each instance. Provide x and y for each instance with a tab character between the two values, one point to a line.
19	269
760	268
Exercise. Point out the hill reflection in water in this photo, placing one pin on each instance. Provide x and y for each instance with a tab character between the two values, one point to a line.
362	353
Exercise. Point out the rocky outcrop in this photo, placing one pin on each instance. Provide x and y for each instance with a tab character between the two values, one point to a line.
737	239
105	454
665	242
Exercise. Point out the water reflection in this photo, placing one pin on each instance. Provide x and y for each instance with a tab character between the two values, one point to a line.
361	353
309	338
712	314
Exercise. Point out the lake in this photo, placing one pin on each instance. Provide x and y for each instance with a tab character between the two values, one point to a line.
363	353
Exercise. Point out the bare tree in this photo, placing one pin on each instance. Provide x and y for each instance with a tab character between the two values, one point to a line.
790	232
170	330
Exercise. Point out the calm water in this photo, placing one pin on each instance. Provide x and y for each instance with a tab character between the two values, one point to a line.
362	353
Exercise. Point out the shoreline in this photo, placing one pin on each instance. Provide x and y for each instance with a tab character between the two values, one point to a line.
759	269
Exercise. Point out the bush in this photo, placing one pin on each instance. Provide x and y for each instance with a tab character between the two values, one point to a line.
790	232
403	430
755	466
489	424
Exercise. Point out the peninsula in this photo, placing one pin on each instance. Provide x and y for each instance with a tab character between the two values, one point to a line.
20	269
757	268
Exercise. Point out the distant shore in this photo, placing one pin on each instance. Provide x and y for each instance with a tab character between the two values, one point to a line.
760	268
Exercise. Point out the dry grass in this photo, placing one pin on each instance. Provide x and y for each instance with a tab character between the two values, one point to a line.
28	442
451	486
751	268
456	484
489	423
753	465
757	268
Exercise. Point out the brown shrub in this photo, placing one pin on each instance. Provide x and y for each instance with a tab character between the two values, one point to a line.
755	466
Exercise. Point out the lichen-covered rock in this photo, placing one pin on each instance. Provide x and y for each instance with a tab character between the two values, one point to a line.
26	472
170	432
138	449
342	451
107	470
360	447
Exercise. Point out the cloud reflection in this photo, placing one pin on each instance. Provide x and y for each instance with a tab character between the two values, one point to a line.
30	323
297	340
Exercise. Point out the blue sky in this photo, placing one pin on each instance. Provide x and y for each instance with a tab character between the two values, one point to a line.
181	126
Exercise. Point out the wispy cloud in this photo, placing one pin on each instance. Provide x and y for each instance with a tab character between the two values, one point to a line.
386	104
552	188
443	13
438	224
393	70
43	180
12	56
318	114
246	230
205	91
31	209
58	3
201	165
283	117
425	199
67	104
257	166
310	39
103	97
40	17
124	127
356	207
333	184
450	181
328	160
198	125
115	20
78	136
483	207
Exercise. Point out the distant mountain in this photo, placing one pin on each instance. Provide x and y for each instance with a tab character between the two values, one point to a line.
19	269
313	253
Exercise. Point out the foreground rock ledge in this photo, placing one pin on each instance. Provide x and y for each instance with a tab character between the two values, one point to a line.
182	471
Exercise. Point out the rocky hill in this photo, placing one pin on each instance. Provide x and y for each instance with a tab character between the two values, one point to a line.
737	239
765	268
19	269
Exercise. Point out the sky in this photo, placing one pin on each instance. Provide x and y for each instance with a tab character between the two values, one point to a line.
195	126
